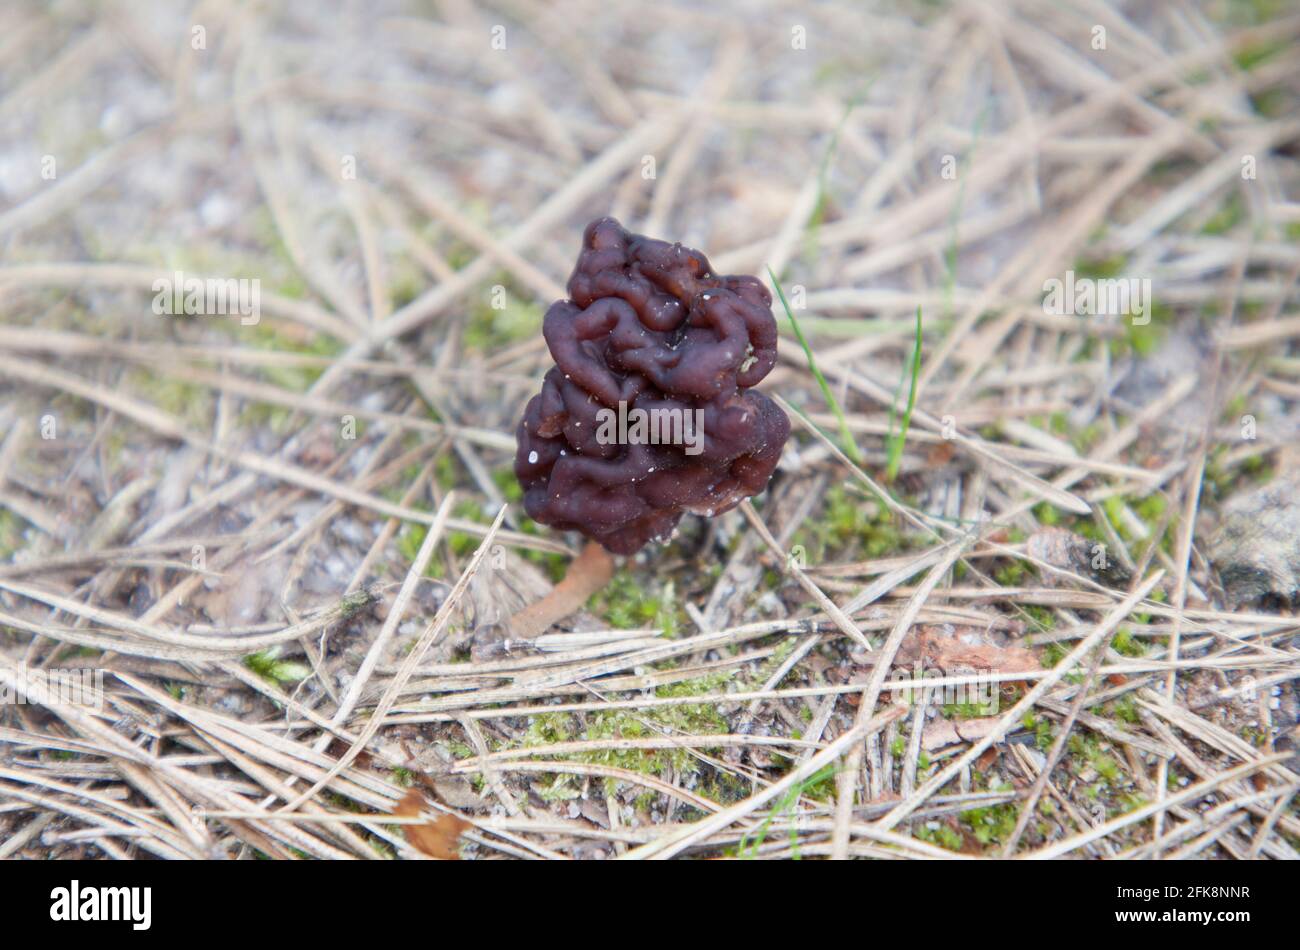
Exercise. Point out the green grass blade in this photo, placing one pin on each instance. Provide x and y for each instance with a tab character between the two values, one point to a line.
847	441
899	440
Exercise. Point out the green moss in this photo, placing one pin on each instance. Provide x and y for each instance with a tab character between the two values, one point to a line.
992	824
490	328
1053	654
1047	515
1012	574
1151	510
687	719
405	283
409	540
462	543
1085	438
447	471
562	788
1271	103
1091	530
850	526
1126	802
267	665
1249	12
1158	596
1107	768
11	533
1087	750
1041	617
1058	424
1258	468
282	275
1254	735
1230	214
767	669
969	710
296	379
1126	644
355	602
1125	709
190	403
1100	268
548	728
402	778
942	836
554	565
627	604
1041	727
507	484
700	686
461	750
1219	479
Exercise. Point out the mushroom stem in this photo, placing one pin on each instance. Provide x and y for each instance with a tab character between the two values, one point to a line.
588	573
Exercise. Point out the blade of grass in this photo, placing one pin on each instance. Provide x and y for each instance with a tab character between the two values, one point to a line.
847	441
897	441
950	253
785	806
812	227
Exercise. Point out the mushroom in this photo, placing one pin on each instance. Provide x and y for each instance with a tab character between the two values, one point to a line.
649	411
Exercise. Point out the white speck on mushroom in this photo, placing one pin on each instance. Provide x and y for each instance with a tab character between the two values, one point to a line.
532	458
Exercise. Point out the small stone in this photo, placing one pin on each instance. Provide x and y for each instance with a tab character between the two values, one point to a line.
1256	549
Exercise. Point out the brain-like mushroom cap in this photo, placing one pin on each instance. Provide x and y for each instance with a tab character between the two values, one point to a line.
649	333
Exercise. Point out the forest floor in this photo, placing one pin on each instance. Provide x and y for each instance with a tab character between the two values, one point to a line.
286	533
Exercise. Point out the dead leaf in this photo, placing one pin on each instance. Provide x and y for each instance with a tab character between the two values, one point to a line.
941	454
438	838
971	651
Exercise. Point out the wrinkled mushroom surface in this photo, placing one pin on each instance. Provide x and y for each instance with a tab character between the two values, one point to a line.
649	337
